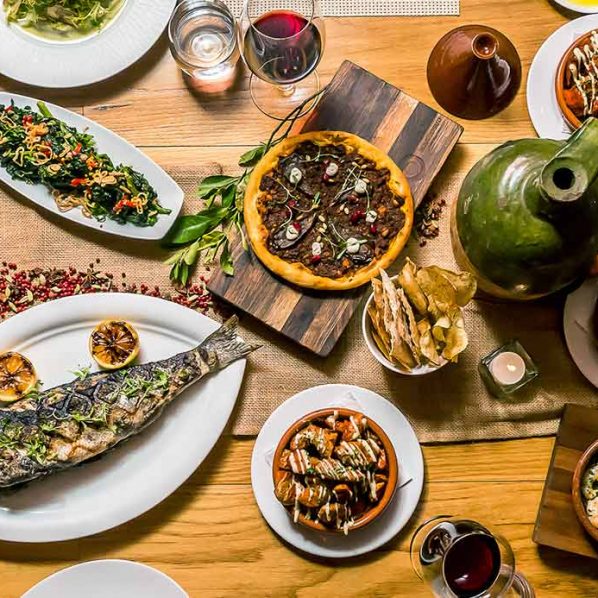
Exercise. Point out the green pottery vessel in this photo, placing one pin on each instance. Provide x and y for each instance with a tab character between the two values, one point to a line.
526	220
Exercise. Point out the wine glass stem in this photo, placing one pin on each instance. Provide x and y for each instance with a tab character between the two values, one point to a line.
287	90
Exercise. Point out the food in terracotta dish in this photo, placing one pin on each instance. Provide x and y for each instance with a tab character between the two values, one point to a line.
589	491
580	78
327	210
335	470
417	317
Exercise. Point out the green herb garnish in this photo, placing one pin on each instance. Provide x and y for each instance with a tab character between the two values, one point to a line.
205	237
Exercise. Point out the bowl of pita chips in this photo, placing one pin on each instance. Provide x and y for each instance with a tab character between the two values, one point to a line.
413	322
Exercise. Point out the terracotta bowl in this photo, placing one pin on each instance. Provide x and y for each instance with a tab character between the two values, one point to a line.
588	458
559	81
393	469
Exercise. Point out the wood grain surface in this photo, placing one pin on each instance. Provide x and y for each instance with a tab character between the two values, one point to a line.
557	524
209	535
416	137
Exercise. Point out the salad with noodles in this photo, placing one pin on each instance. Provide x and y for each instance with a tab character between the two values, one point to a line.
61	18
38	148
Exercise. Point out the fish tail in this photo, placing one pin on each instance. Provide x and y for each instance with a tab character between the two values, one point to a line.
225	345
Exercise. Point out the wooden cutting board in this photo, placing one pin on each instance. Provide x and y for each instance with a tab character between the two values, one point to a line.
557	524
416	137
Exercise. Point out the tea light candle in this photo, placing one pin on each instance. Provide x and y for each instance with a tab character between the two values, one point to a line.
507	368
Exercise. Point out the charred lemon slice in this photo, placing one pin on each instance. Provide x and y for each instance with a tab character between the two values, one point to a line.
114	344
17	377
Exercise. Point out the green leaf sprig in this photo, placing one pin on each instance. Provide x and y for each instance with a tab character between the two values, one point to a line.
204	237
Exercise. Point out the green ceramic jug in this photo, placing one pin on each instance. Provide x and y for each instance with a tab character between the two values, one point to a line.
526	220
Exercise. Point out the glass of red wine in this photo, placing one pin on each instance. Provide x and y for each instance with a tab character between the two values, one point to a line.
461	558
282	42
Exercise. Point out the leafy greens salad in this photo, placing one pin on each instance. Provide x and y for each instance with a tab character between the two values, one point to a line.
76	17
40	149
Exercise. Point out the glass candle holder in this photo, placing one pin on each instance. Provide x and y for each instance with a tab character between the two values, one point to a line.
507	369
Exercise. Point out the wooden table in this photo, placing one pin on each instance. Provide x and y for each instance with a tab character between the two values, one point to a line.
209	535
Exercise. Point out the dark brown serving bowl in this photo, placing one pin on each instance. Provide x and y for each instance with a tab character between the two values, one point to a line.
589	457
561	72
391	456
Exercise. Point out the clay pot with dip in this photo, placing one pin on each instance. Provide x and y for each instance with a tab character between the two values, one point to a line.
474	72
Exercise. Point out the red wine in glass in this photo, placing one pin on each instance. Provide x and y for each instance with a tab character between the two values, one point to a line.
471	565
282	47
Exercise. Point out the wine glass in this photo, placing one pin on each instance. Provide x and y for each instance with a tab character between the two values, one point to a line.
282	42
461	558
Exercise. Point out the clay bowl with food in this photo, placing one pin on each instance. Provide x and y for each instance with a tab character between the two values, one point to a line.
367	329
583	488
563	82
335	471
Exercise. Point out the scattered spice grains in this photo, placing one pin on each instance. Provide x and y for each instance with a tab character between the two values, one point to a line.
427	217
22	289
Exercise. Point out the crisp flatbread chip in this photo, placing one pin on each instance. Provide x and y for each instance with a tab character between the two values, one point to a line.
427	345
463	282
408	281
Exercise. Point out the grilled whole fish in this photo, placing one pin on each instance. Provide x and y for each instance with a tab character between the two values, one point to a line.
74	422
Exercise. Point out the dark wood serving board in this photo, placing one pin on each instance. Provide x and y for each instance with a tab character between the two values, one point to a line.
419	140
557	524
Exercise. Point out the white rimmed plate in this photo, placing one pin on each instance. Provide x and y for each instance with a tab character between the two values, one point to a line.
577	7
111	577
136	476
577	324
396	514
73	63
170	195
542	104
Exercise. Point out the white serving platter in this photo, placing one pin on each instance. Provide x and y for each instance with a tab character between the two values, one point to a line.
33	60
143	471
170	195
111	577
409	456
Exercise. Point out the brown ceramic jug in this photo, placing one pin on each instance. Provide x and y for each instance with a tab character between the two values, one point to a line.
474	72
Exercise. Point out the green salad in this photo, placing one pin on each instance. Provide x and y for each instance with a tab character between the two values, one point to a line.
61	17
37	148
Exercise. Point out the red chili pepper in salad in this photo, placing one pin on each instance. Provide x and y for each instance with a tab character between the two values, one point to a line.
125	202
77	149
78	182
9	109
27	119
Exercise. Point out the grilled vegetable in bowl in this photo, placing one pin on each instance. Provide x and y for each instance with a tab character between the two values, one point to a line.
114	344
17	377
61	19
37	148
335	470
584	490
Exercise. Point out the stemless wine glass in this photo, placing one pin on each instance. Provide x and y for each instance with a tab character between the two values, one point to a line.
461	558
282	42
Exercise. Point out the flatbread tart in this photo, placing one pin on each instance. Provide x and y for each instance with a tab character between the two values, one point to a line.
327	210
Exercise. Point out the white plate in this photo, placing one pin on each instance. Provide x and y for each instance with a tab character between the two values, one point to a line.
170	195
542	104
409	456
577	324
47	63
113	578
572	5
136	476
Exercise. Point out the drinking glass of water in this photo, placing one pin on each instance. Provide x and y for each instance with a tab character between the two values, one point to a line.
204	44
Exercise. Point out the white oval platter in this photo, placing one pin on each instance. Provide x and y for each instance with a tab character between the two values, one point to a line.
136	476
30	59
170	195
111	577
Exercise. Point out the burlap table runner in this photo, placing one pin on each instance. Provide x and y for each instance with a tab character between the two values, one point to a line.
370	8
449	405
